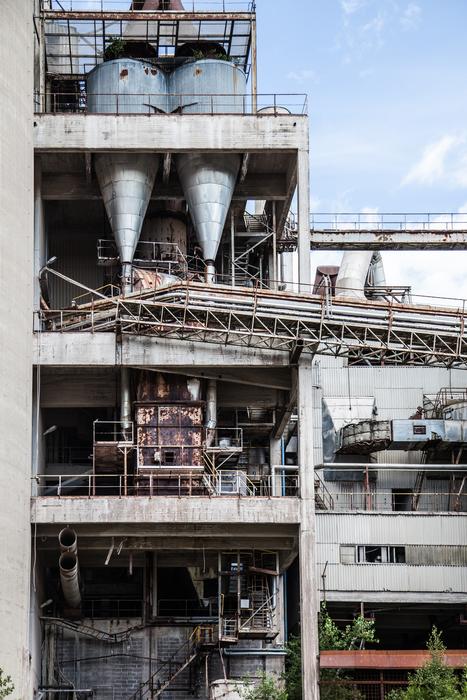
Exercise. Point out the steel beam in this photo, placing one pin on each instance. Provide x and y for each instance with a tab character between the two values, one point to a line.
377	239
379	659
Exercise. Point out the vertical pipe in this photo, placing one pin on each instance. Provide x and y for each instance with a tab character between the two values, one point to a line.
211	404
39	236
274	247
125	401
303	196
254	73
210	272
232	246
127	278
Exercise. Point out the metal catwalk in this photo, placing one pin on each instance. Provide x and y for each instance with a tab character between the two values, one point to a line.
375	331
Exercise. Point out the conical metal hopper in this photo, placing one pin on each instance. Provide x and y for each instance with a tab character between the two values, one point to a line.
126	181
208	183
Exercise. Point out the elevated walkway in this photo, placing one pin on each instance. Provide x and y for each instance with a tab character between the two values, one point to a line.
365	330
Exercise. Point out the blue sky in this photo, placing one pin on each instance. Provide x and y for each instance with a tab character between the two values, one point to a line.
387	87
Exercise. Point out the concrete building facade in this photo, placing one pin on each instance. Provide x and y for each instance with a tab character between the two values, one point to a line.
201	443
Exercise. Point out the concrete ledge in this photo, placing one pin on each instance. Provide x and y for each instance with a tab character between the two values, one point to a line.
170	133
165	510
82	349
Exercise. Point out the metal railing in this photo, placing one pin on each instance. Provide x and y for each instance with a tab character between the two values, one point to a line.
168	104
429	501
167	257
108	290
115	431
360	221
187	607
150	484
107	608
125	6
224	440
323	498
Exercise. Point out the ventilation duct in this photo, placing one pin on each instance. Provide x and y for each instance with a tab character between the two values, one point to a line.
354	270
69	568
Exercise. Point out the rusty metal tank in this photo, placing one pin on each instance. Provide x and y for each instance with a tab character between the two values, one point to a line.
127	86
126	180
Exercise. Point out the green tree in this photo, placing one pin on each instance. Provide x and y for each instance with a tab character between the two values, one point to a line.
6	686
353	636
268	688
434	680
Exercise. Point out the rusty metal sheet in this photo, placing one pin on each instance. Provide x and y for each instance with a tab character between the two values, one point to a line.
380	659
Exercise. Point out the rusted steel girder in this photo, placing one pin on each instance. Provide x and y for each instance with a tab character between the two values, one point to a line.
377	659
138	15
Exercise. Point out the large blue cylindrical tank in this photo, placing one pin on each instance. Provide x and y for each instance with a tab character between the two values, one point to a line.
127	86
209	86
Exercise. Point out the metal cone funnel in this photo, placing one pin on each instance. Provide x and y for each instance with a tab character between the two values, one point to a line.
126	181
208	183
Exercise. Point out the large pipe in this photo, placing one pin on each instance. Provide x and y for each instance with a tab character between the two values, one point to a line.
68	540
211	404
125	400
69	567
353	273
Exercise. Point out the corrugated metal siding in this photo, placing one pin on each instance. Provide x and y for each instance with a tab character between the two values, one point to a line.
429	555
391	528
77	258
394	577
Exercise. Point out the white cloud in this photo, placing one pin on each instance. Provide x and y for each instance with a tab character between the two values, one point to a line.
303	76
351	6
411	16
432	167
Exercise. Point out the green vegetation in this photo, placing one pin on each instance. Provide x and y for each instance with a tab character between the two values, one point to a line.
114	49
435	680
6	686
353	636
268	688
217	55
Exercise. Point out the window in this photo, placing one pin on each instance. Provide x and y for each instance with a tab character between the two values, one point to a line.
402	499
347	554
380	554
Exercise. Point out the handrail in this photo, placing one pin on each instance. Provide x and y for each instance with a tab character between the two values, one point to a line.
380	221
267	602
190	645
177	482
285	105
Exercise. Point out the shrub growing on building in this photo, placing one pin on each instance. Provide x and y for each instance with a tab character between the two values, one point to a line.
6	686
331	637
268	688
434	680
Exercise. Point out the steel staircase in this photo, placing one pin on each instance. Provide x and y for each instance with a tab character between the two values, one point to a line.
86	631
170	669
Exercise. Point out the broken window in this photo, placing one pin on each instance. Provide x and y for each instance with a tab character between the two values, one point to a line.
380	554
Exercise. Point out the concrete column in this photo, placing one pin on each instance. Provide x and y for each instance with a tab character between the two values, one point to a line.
275	459
39	235
303	223
308	583
16	274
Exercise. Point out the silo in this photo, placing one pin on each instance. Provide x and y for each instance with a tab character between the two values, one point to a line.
208	180
126	180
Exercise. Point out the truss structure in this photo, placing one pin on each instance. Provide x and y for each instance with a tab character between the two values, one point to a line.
376	331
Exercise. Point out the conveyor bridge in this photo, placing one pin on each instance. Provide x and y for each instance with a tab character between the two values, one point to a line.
380	332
